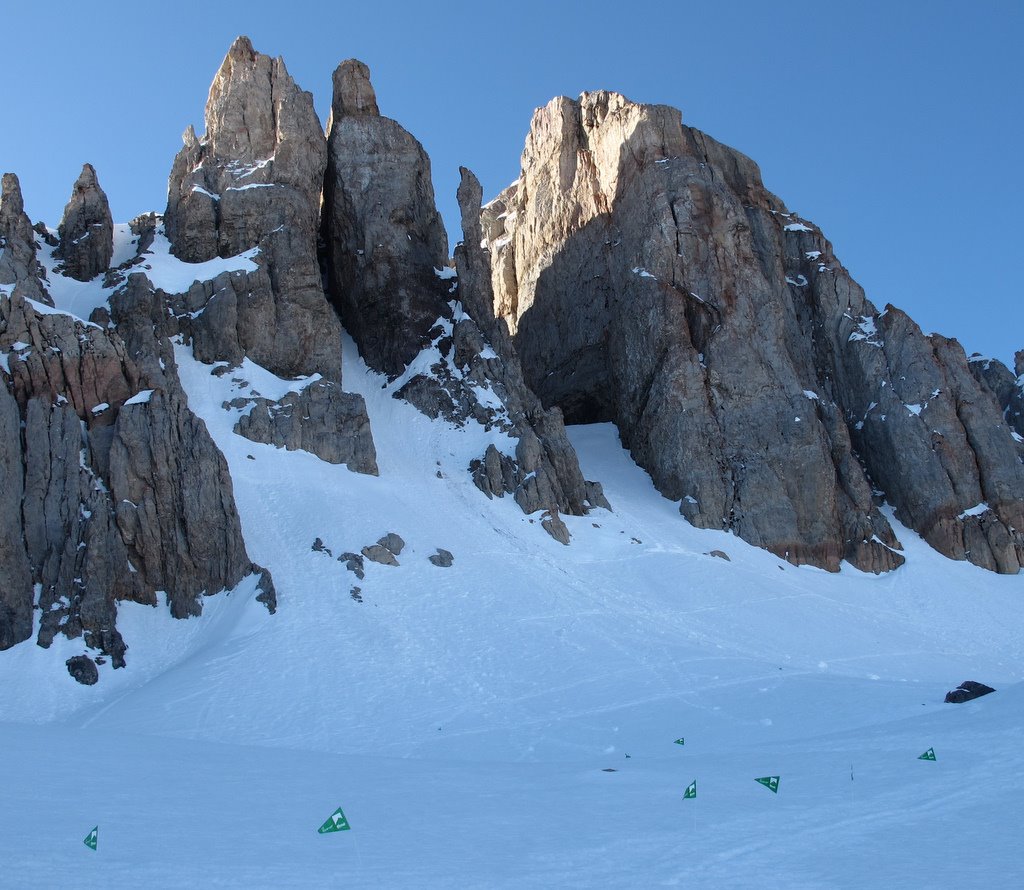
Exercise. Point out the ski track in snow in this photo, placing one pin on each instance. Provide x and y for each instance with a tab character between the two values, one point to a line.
462	717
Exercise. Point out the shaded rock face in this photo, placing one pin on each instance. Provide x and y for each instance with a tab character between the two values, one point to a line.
112	489
386	254
648	278
18	263
86	230
1006	386
254	180
382	234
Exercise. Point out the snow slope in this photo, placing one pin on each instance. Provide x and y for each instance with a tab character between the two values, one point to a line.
464	717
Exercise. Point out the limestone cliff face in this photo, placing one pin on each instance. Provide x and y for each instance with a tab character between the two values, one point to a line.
649	278
254	181
387	257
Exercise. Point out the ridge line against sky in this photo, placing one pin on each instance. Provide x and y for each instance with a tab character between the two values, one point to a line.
896	130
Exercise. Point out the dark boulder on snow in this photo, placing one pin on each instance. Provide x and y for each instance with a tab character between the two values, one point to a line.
86	230
966	691
443	558
83	669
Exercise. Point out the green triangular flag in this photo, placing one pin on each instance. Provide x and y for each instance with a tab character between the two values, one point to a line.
679	742
691	791
770	782
93	836
928	755
337	822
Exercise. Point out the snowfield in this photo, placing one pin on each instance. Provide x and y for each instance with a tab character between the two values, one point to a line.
510	721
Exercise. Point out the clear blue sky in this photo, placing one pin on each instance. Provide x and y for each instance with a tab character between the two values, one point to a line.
895	126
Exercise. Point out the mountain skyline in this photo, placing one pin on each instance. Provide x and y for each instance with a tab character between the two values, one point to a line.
829	125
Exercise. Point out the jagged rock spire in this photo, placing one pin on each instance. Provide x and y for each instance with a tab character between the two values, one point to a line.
382	232
86	230
254	180
353	92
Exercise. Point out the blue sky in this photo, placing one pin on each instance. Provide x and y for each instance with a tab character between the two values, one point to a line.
896	127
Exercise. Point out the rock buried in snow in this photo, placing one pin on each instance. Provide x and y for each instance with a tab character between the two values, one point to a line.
392	542
721	554
379	553
442	558
83	669
966	691
354	563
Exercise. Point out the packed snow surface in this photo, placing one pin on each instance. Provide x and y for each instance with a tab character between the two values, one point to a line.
510	721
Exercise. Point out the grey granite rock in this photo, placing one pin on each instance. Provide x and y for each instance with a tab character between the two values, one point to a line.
86	230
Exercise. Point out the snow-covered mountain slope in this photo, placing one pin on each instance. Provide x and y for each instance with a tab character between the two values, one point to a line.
463	717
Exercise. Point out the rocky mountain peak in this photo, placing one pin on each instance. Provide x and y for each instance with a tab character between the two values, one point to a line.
649	278
1018	362
86	230
353	92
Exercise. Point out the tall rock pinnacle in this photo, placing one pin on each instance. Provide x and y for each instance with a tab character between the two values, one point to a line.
382	232
254	181
86	230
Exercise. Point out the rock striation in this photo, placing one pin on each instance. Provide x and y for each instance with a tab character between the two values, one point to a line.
648	278
386	254
254	181
86	230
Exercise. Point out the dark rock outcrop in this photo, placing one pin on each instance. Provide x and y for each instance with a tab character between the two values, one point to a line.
648	278
123	491
18	263
254	181
382	233
321	419
443	558
86	230
966	691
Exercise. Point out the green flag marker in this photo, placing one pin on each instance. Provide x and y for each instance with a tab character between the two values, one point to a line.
93	836
691	791
770	782
679	742
337	822
928	755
